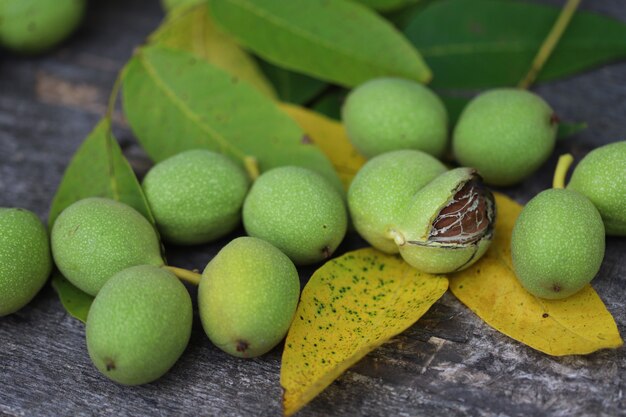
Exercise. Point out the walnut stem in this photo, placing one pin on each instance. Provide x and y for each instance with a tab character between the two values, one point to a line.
397	237
184	274
565	161
252	167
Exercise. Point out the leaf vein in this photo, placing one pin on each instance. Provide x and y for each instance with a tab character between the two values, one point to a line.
490	47
111	164
195	118
306	35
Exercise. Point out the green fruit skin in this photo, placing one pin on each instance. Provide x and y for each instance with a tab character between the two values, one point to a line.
25	260
557	244
506	134
247	297
297	211
417	218
34	26
387	114
601	177
139	325
196	196
383	187
95	238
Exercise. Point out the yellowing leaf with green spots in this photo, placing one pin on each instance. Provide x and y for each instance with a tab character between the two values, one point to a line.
350	306
577	325
330	136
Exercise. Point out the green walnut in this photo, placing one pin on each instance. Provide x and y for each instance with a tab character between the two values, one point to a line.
34	26
557	243
383	187
448	225
248	296
95	238
387	114
297	211
139	324
601	177
25	260
196	196
506	134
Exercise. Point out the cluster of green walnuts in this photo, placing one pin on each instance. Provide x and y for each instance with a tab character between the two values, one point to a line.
141	318
405	200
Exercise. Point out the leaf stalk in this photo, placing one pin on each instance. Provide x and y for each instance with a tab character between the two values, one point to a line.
550	43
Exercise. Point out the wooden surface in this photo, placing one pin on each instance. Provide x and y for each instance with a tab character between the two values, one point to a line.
450	363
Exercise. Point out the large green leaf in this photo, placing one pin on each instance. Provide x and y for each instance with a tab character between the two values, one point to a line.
338	41
387	5
403	16
455	106
175	101
99	169
486	43
293	87
192	30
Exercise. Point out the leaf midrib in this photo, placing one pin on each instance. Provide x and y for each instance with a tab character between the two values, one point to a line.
199	34
493	47
186	110
261	13
108	140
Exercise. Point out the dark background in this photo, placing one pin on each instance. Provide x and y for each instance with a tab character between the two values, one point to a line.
450	363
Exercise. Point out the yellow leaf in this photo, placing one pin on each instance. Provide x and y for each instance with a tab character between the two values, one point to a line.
331	138
577	325
191	29
350	306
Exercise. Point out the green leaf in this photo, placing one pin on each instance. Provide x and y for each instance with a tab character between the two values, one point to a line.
291	86
75	302
175	101
330	103
403	16
487	43
570	129
455	106
387	5
338	41
99	169
192	30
